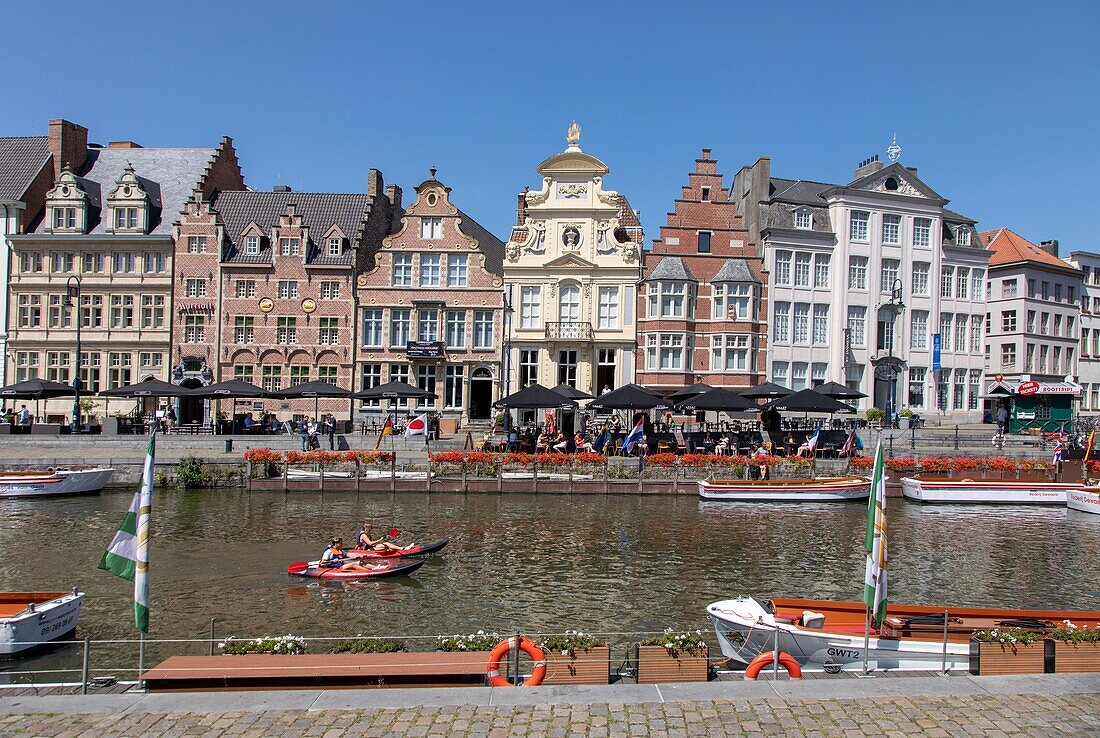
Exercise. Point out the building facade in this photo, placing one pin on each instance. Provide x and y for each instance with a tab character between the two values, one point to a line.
874	284
26	174
265	292
107	231
702	304
1088	355
571	268
1033	329
431	308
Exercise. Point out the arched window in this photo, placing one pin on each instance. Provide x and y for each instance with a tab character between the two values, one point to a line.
569	304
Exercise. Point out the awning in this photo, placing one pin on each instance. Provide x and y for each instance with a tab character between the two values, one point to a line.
1005	388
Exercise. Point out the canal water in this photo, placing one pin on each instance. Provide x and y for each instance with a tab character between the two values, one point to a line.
545	563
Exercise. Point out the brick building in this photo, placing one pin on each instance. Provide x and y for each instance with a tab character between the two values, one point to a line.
702	302
265	291
107	219
431	307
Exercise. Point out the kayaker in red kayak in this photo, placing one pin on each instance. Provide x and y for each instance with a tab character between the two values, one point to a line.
367	543
334	557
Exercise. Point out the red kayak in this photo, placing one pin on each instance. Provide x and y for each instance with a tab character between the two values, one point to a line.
388	569
414	550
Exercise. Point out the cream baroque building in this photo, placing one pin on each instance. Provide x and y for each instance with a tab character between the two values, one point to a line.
571	268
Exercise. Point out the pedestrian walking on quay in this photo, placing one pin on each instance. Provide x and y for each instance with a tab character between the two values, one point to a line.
330	430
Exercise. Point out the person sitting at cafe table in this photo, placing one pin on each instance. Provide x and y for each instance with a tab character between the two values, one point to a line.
723	446
583	442
561	443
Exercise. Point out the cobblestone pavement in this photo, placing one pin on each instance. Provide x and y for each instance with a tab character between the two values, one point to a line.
987	715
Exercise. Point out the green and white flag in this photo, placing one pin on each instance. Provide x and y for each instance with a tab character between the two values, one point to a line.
128	555
874	581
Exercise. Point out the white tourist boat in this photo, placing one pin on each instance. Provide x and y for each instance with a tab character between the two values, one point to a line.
31	619
53	483
988	491
822	489
826	635
1085	500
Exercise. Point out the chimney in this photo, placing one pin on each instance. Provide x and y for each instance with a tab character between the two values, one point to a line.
868	166
913	170
1051	246
280	188
706	153
393	193
123	145
68	142
375	185
521	208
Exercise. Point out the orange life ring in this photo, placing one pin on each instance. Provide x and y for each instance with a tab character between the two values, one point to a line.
767	659
502	649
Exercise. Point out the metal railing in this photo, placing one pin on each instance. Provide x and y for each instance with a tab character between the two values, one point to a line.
569	331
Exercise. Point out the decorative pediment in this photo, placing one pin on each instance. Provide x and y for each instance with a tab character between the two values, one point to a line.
128	203
569	261
67	189
67	204
335	232
252	229
895	179
128	189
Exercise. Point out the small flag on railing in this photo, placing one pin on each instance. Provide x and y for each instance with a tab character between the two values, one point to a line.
849	444
634	437
128	555
875	576
1059	445
418	426
1088	444
387	430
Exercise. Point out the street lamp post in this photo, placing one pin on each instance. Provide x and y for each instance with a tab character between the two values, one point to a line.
72	300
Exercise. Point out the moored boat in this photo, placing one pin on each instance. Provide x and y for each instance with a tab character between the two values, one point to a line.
391	568
827	635
1085	500
53	483
822	489
32	619
988	491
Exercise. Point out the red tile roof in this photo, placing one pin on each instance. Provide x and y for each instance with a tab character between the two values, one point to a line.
1010	247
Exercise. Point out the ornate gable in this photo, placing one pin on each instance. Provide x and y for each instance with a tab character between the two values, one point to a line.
895	179
67	203
128	204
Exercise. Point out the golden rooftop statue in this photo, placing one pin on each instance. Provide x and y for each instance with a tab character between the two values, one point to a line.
574	135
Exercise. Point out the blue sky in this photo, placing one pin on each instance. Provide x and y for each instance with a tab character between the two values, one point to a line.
995	103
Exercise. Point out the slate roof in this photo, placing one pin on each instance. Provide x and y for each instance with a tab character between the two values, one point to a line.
954	217
1009	247
169	176
21	159
490	245
671	268
319	212
735	270
798	191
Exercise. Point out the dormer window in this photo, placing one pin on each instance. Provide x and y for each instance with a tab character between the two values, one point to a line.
804	219
64	218
335	246
962	236
289	246
126	219
252	245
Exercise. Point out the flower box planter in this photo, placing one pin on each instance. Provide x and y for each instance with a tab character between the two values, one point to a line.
1076	656
584	666
992	658
657	666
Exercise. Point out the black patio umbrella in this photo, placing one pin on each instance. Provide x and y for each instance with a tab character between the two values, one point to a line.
629	397
809	401
311	389
718	399
688	392
768	389
535	397
571	392
151	387
394	391
36	389
838	391
229	388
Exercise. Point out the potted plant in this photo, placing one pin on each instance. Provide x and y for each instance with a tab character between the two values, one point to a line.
479	641
905	417
288	645
574	657
1076	649
673	656
1008	651
875	415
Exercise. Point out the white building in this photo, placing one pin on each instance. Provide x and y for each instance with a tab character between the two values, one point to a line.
571	269
865	280
1088	361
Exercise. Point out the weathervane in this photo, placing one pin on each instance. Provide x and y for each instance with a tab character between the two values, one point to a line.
574	135
893	152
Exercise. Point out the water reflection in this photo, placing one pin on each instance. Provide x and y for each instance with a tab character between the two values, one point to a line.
539	563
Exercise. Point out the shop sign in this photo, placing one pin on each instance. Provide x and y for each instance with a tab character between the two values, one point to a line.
1027	388
424	350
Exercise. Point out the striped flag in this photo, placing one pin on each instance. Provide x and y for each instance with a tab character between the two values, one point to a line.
811	443
128	555
387	430
875	579
1088	444
634	436
1059	445
849	444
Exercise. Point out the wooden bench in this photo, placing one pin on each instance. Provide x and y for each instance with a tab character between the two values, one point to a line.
337	670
